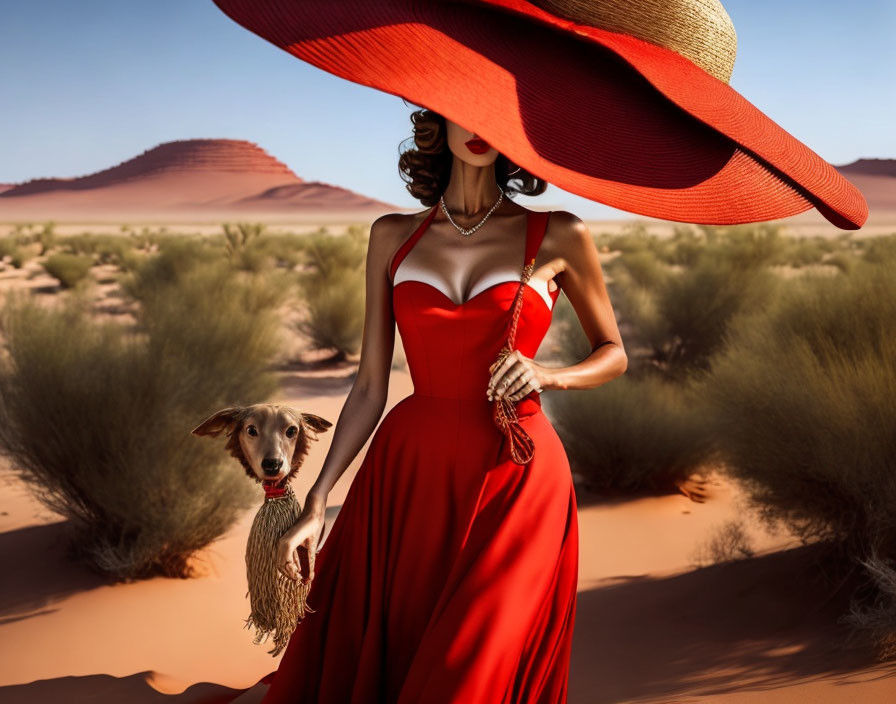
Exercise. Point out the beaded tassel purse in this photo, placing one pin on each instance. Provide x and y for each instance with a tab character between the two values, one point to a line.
504	413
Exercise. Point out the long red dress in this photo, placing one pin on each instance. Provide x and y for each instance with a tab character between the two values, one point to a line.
449	574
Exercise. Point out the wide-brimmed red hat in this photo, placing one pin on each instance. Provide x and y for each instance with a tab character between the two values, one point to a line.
624	102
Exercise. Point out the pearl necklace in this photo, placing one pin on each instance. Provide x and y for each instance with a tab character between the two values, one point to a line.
467	231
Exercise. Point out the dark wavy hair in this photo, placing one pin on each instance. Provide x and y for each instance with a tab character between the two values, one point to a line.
426	167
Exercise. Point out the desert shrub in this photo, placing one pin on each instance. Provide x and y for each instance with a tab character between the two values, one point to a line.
844	261
241	245
146	239
176	258
633	238
241	234
803	406
333	288
803	251
630	434
640	268
686	245
745	246
70	269
96	417
254	259
18	257
728	543
676	319
130	260
46	238
880	250
106	249
285	249
8	246
877	614
335	311
325	253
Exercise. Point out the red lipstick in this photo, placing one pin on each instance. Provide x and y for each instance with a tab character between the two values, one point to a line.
478	145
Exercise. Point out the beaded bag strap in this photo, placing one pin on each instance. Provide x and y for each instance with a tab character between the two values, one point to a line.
522	448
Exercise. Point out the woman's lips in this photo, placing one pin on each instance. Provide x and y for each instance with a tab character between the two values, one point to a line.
478	146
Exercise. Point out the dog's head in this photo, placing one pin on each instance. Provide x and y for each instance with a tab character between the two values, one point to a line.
270	441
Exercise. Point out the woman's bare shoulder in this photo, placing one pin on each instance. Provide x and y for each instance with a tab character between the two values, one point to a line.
566	239
393	225
388	232
564	225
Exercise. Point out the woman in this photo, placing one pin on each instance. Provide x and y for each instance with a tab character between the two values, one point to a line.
450	572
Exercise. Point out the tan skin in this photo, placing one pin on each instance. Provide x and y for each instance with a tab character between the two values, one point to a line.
566	258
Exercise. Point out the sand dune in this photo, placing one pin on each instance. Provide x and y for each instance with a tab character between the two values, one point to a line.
876	179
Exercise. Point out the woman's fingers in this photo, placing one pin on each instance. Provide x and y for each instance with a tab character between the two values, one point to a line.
523	384
304	563
513	380
502	368
287	564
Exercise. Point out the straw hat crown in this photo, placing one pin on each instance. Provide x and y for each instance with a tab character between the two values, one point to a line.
699	30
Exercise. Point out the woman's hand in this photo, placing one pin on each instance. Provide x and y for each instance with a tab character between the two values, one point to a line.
516	377
297	546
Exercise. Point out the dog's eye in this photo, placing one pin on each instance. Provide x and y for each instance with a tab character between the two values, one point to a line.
291	431
251	430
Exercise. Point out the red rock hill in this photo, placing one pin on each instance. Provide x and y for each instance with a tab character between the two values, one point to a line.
200	176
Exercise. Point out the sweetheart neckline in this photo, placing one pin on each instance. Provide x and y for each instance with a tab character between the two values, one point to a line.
515	282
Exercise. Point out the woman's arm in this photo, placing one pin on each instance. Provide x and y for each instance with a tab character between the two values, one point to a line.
364	405
579	274
582	281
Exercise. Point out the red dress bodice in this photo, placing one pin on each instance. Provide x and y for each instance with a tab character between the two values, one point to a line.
449	346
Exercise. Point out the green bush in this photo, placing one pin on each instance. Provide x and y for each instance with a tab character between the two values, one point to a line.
326	254
285	249
8	246
880	250
176	258
96	416
70	269
106	249
18	257
335	311
630	434
46	238
333	288
803	406
677	320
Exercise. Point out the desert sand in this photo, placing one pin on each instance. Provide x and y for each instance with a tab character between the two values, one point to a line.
650	626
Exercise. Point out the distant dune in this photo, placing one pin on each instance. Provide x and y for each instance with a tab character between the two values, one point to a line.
876	178
193	177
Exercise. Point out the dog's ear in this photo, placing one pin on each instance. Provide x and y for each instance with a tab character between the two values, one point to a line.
225	419
315	423
309	422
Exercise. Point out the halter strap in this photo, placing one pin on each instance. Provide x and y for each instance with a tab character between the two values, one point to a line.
409	242
536	226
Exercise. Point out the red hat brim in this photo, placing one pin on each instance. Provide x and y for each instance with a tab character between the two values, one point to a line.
600	114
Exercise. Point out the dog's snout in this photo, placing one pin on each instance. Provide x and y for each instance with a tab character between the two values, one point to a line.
272	465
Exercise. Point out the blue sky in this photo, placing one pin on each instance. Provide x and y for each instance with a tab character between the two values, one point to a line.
91	83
